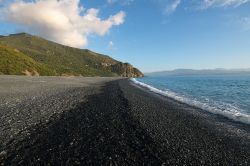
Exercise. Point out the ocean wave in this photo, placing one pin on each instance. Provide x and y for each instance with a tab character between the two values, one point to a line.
225	110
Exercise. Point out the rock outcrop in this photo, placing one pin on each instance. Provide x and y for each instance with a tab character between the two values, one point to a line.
126	70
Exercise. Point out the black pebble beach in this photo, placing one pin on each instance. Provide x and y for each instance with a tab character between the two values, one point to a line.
117	123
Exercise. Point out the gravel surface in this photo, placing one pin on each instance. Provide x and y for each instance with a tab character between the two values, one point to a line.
187	135
105	121
26	102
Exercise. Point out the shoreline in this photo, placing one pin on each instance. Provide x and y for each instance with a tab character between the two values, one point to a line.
219	116
165	111
117	123
196	110
237	117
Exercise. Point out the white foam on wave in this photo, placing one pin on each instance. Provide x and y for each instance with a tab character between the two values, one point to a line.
230	112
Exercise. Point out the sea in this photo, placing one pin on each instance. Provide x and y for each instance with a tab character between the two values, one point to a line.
224	94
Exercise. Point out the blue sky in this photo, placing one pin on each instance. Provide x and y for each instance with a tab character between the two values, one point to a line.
156	35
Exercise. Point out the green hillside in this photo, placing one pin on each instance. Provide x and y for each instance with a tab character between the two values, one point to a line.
64	60
13	62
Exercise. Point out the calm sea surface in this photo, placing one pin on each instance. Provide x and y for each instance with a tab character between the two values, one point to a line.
228	95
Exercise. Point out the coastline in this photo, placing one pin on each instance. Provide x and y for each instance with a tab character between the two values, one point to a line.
168	120
120	123
235	115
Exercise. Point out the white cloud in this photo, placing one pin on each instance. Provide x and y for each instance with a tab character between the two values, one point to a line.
110	45
245	22
171	6
205	4
122	2
63	21
111	1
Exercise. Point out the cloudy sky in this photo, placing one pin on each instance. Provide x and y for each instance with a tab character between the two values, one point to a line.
151	34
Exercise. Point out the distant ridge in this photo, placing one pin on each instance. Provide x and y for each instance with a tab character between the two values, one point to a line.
63	60
200	72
